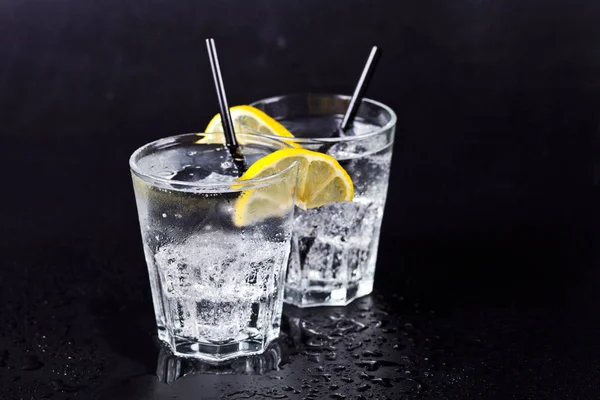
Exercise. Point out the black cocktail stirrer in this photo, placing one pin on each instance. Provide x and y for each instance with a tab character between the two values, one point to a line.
360	89
230	140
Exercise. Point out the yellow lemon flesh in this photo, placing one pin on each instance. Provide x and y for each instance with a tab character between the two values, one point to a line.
321	180
244	118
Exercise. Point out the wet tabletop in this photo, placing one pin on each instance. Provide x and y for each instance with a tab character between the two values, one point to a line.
486	284
472	336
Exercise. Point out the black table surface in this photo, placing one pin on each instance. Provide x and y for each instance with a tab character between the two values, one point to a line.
486	284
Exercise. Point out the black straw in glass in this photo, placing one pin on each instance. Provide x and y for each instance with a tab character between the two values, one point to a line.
230	139
360	89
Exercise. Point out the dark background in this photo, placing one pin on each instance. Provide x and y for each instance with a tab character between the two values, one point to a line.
488	221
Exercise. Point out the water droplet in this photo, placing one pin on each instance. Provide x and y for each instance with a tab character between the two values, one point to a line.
269	394
371	353
314	356
364	387
385	382
315	342
364	375
334	387
311	332
242	394
353	346
339	368
327	377
369	365
31	363
331	356
337	396
408	326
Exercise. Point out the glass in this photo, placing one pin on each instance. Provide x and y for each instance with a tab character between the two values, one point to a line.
217	287
334	247
170	367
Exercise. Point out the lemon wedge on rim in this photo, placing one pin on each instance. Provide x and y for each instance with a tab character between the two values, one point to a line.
243	118
321	180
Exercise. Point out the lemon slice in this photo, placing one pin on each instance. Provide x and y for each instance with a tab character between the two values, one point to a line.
321	180
244	117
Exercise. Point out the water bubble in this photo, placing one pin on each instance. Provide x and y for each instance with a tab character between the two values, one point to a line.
334	387
331	356
337	396
347	379
339	368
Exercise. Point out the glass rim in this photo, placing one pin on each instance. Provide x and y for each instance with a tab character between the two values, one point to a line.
390	124
233	186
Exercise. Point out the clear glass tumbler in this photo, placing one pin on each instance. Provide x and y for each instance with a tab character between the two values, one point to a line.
334	247
216	269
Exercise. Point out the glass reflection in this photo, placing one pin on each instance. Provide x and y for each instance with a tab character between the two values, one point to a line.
170	367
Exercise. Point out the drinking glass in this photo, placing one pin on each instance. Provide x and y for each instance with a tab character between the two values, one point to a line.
216	276
334	247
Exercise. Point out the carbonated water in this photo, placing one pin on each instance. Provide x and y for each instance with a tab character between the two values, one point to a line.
217	287
334	247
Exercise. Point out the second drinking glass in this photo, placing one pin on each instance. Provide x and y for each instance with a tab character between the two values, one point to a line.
334	247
